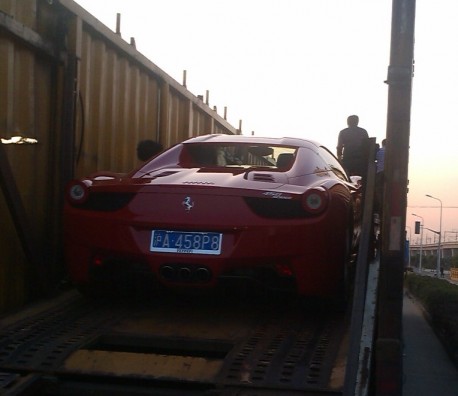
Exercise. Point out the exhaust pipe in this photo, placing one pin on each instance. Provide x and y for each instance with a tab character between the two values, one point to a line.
168	272
178	273
185	273
203	274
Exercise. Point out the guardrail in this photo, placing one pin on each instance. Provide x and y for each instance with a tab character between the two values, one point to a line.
454	274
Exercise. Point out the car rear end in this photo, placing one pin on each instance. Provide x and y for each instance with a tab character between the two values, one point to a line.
217	209
197	235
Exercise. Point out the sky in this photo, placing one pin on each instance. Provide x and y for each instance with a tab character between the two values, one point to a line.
300	67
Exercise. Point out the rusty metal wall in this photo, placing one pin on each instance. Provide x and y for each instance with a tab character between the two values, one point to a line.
26	109
117	106
124	98
87	97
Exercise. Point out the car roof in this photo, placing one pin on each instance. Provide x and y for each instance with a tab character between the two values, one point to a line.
283	141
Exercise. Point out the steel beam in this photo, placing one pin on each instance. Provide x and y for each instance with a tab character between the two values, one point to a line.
400	73
26	35
21	222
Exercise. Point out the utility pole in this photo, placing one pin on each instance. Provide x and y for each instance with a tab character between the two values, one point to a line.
388	347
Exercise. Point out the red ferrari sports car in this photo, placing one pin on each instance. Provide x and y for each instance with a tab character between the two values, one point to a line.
216	208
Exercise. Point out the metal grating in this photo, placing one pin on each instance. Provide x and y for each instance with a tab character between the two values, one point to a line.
264	177
6	379
44	341
269	347
296	355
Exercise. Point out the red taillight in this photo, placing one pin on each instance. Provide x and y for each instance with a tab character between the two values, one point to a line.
77	192
97	260
315	200
284	269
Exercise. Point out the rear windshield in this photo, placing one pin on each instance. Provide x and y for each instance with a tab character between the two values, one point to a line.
237	155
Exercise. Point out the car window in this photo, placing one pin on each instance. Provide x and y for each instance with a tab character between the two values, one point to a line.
237	155
333	164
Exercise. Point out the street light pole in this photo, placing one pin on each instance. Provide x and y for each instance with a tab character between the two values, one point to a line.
421	239
440	233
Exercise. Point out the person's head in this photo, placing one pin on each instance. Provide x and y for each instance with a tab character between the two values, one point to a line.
352	121
383	142
147	149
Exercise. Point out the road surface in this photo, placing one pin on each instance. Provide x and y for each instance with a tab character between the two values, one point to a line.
427	367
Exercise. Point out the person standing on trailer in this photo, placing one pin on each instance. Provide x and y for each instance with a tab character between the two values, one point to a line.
352	147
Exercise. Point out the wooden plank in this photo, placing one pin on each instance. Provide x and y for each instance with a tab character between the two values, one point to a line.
144	365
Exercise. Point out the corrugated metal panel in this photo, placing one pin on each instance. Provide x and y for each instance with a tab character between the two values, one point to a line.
88	98
202	122
125	98
26	109
118	105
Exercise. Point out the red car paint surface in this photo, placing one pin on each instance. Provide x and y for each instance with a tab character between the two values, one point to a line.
286	221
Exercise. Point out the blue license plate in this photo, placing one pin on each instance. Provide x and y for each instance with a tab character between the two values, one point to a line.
186	242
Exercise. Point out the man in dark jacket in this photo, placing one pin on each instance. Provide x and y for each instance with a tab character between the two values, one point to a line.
352	146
